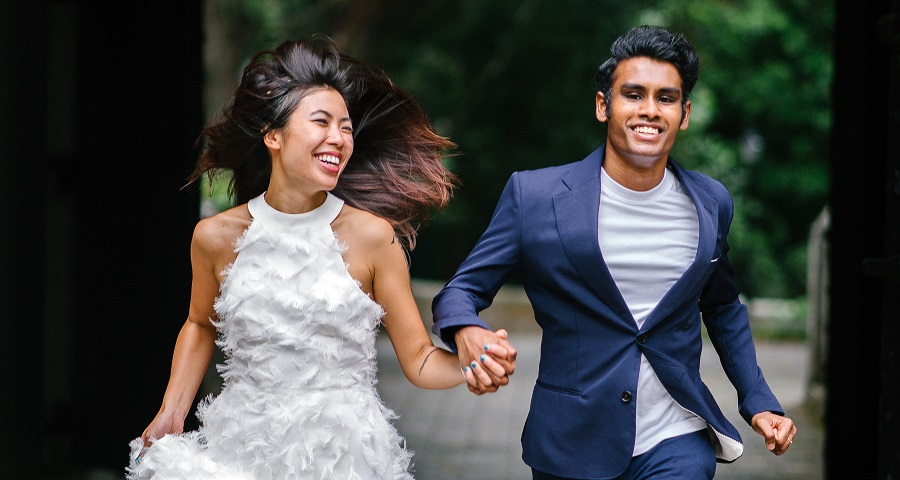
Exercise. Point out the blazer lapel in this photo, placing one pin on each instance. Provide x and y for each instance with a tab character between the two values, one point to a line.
707	215
576	219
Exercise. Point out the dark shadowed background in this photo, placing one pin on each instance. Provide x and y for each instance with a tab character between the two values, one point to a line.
100	103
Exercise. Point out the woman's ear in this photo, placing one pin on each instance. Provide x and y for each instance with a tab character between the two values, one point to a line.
272	139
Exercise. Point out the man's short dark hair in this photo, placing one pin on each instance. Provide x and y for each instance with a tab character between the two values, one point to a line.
655	43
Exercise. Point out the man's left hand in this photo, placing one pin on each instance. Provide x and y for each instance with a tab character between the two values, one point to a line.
778	431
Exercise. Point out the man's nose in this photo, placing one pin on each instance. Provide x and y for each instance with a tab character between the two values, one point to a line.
648	108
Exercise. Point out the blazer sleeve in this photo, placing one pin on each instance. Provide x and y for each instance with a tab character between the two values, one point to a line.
488	266
728	324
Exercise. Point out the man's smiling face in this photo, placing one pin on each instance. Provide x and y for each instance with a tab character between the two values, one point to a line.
644	114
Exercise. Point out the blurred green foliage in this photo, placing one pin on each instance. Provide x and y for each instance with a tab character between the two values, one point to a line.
764	94
512	83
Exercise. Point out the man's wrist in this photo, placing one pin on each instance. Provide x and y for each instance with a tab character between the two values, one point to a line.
457	332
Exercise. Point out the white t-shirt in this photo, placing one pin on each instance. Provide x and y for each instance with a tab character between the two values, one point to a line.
648	240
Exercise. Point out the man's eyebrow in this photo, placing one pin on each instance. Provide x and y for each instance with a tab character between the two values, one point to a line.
633	86
641	88
670	90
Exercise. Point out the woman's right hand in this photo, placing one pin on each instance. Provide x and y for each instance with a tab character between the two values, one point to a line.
164	423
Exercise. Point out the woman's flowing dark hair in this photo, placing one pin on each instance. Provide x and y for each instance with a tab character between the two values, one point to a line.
396	170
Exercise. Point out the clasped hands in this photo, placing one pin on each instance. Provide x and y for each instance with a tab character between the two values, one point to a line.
486	357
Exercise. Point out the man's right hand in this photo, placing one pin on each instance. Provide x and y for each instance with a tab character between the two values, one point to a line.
487	358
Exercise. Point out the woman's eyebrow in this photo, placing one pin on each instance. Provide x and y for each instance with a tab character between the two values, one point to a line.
329	115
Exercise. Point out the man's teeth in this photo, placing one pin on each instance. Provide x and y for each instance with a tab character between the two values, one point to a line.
649	130
329	159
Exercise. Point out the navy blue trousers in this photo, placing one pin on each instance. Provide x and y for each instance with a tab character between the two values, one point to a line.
686	457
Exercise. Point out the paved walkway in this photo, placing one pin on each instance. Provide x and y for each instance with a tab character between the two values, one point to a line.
457	435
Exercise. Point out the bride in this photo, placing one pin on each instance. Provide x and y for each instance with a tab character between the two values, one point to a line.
293	282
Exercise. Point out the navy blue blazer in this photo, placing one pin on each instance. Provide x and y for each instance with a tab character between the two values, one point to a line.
582	418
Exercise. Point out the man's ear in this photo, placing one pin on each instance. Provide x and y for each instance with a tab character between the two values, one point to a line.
601	108
686	116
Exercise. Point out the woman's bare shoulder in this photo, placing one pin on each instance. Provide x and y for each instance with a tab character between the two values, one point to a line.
220	231
369	240
362	227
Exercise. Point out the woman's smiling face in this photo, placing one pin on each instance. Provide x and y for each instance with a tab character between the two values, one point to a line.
311	151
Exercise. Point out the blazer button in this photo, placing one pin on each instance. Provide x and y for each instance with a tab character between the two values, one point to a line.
626	396
642	338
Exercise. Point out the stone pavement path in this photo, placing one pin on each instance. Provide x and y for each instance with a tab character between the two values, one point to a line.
457	435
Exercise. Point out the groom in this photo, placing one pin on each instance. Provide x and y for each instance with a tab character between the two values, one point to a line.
622	254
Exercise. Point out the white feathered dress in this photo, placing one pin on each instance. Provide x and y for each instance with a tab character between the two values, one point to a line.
299	398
